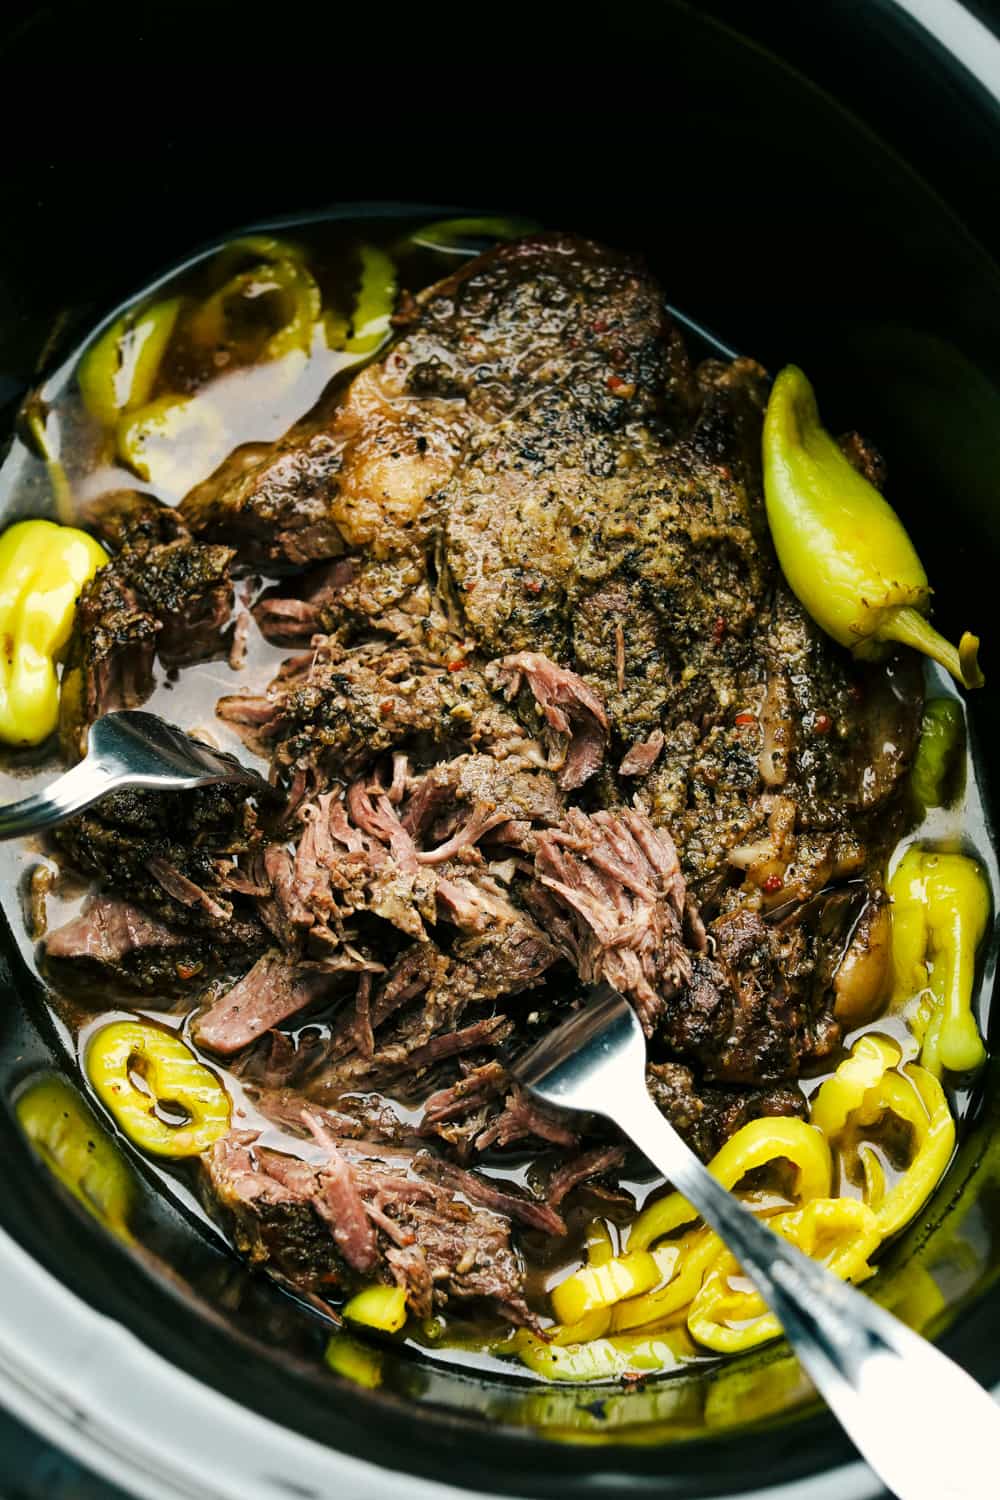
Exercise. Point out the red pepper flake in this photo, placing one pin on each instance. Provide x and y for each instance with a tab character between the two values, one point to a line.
470	585
386	707
456	666
822	724
619	387
745	718
718	629
532	586
600	325
188	971
773	883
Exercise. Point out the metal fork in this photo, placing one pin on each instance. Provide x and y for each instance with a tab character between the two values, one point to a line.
924	1425
128	749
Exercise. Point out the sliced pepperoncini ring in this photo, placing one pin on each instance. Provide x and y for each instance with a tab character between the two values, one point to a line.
940	912
772	1138
935	778
373	307
287	281
599	1286
692	1256
840	1232
174	441
119	371
872	1056
144	1075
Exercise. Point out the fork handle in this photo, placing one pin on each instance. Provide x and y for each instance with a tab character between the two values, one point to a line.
926	1427
70	793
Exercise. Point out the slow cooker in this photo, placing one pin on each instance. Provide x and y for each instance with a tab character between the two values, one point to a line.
813	182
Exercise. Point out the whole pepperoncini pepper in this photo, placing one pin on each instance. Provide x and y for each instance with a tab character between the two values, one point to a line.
43	567
841	546
940	911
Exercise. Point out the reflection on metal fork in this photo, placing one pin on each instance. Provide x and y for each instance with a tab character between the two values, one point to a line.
128	749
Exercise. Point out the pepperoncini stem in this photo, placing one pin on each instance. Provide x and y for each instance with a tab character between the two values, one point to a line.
381	1307
841	546
43	567
911	628
770	1139
176	1084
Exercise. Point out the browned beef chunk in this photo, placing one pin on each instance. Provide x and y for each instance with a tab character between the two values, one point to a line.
333	710
361	472
109	664
169	852
706	1117
355	1214
111	937
272	991
161	593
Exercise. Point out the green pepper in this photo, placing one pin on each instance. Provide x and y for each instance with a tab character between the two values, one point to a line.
940	912
298	295
118	372
375	301
942	736
841	546
469	236
77	1151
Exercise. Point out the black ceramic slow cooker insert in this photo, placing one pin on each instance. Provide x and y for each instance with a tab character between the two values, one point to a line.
810	182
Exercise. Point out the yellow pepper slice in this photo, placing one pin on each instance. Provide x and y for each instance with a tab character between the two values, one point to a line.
42	570
920	1100
867	1086
770	1139
940	912
119	371
841	546
694	1254
600	1286
289	282
598	1244
78	1151
840	1232
607	1358
381	1307
375	301
357	1362
127	1054
872	1056
173	442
